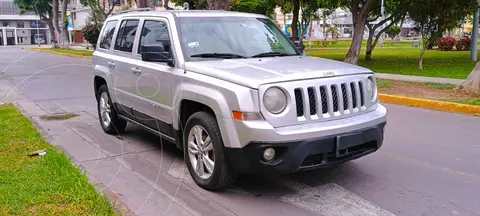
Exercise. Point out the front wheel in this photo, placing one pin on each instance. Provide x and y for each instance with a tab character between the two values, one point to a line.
204	153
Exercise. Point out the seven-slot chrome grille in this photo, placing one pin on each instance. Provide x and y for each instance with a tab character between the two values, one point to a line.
326	101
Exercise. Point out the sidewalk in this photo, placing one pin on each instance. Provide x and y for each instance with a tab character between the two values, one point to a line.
419	78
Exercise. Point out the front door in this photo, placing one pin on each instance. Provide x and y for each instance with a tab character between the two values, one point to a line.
154	82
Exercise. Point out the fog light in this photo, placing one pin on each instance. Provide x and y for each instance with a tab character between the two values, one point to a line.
269	154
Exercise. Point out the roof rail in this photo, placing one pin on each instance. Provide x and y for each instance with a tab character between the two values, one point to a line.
132	10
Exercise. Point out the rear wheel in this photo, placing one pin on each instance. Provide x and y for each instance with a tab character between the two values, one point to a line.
109	120
204	153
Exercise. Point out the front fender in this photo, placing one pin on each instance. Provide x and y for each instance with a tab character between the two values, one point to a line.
201	94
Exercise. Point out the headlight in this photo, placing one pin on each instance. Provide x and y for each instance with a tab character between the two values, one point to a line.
275	100
371	89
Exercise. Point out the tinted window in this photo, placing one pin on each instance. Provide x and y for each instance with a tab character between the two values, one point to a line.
107	35
155	32
126	35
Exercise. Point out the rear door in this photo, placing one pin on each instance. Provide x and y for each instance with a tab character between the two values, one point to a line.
123	49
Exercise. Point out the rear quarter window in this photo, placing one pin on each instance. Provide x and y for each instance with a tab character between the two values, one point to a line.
107	34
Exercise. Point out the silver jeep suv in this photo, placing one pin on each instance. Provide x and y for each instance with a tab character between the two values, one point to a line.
234	93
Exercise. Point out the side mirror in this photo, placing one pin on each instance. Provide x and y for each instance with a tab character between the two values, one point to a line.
156	53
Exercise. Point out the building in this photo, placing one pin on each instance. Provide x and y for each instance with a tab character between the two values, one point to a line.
21	29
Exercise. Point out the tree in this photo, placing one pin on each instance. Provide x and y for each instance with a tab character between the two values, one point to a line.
395	11
217	4
192	4
309	10
41	7
472	83
61	27
434	17
100	10
265	7
393	31
360	10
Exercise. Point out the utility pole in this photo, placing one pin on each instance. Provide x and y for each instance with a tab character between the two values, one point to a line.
382	13
474	53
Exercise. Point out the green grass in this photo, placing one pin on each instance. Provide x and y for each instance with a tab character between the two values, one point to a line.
440	86
454	64
384	84
347	43
475	102
69	51
48	185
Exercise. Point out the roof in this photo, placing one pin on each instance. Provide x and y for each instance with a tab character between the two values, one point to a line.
19	17
187	13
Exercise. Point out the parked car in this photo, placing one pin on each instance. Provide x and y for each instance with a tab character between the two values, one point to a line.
39	39
234	93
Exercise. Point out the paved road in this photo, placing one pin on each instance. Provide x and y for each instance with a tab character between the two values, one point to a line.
429	164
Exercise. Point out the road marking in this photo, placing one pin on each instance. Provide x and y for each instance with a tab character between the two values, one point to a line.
326	200
330	200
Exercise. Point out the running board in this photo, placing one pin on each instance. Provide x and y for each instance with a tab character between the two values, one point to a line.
148	129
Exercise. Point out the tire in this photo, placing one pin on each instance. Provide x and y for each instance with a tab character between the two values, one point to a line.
116	125
223	174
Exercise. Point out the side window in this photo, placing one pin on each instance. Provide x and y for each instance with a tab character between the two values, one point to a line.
126	35
155	32
107	35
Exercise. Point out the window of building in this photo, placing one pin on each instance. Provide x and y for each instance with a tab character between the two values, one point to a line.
107	35
126	35
20	25
5	24
155	32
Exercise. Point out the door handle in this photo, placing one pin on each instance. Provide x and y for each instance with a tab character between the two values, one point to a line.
111	64
136	71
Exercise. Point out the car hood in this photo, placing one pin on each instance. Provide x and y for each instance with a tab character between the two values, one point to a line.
257	71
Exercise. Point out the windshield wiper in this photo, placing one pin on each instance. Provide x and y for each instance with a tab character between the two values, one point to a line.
271	54
218	55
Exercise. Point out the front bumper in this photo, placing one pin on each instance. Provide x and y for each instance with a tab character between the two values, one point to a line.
293	156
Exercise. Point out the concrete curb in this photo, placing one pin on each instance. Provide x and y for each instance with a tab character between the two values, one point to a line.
430	104
62	54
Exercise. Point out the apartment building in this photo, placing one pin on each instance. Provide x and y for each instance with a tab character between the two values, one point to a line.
17	29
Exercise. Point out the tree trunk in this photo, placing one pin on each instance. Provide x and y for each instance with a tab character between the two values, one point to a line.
368	52
325	35
55	22
359	15
165	5
354	51
310	36
401	27
296	11
472	83
142	3
64	28
51	29
420	62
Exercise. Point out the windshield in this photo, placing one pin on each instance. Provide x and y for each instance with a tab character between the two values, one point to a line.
241	37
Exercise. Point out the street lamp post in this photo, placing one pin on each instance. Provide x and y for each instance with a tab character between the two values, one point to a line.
38	41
